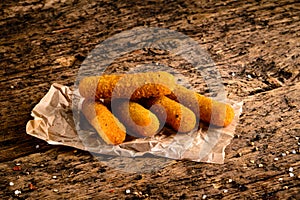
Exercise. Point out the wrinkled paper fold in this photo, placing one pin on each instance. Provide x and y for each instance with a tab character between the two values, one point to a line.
58	121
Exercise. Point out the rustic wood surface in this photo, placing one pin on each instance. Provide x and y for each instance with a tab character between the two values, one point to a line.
255	45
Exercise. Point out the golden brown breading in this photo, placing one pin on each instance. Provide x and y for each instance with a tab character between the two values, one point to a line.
135	117
110	129
96	87
177	116
208	110
130	86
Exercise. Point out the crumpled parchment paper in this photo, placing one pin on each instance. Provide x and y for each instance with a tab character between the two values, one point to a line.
58	120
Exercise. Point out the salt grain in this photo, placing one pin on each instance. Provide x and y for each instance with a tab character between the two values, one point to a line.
252	161
280	179
297	138
204	196
291	174
225	190
285	187
291	169
294	151
230	180
232	74
54	177
37	146
18	164
260	165
275	159
249	76
127	191
283	154
55	190
11	183
17	192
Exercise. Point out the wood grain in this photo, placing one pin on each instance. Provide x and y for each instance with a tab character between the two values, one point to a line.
255	46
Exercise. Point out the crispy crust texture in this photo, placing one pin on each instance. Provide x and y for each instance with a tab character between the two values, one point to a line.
96	87
177	116
110	129
130	86
208	110
164	101
139	120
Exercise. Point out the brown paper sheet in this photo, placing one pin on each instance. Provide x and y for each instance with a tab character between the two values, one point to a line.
58	122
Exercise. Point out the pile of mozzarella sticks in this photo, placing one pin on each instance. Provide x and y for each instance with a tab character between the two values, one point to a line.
143	103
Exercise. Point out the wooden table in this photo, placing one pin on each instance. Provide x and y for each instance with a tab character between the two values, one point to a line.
256	48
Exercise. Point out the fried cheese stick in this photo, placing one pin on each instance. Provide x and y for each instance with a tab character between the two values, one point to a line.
207	109
141	121
130	86
110	129
177	116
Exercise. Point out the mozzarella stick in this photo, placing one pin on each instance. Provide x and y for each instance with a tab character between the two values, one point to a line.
177	116
137	119
129	86
110	129
207	109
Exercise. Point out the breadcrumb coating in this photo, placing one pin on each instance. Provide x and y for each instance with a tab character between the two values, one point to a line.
130	86
207	109
177	116
139	120
110	129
